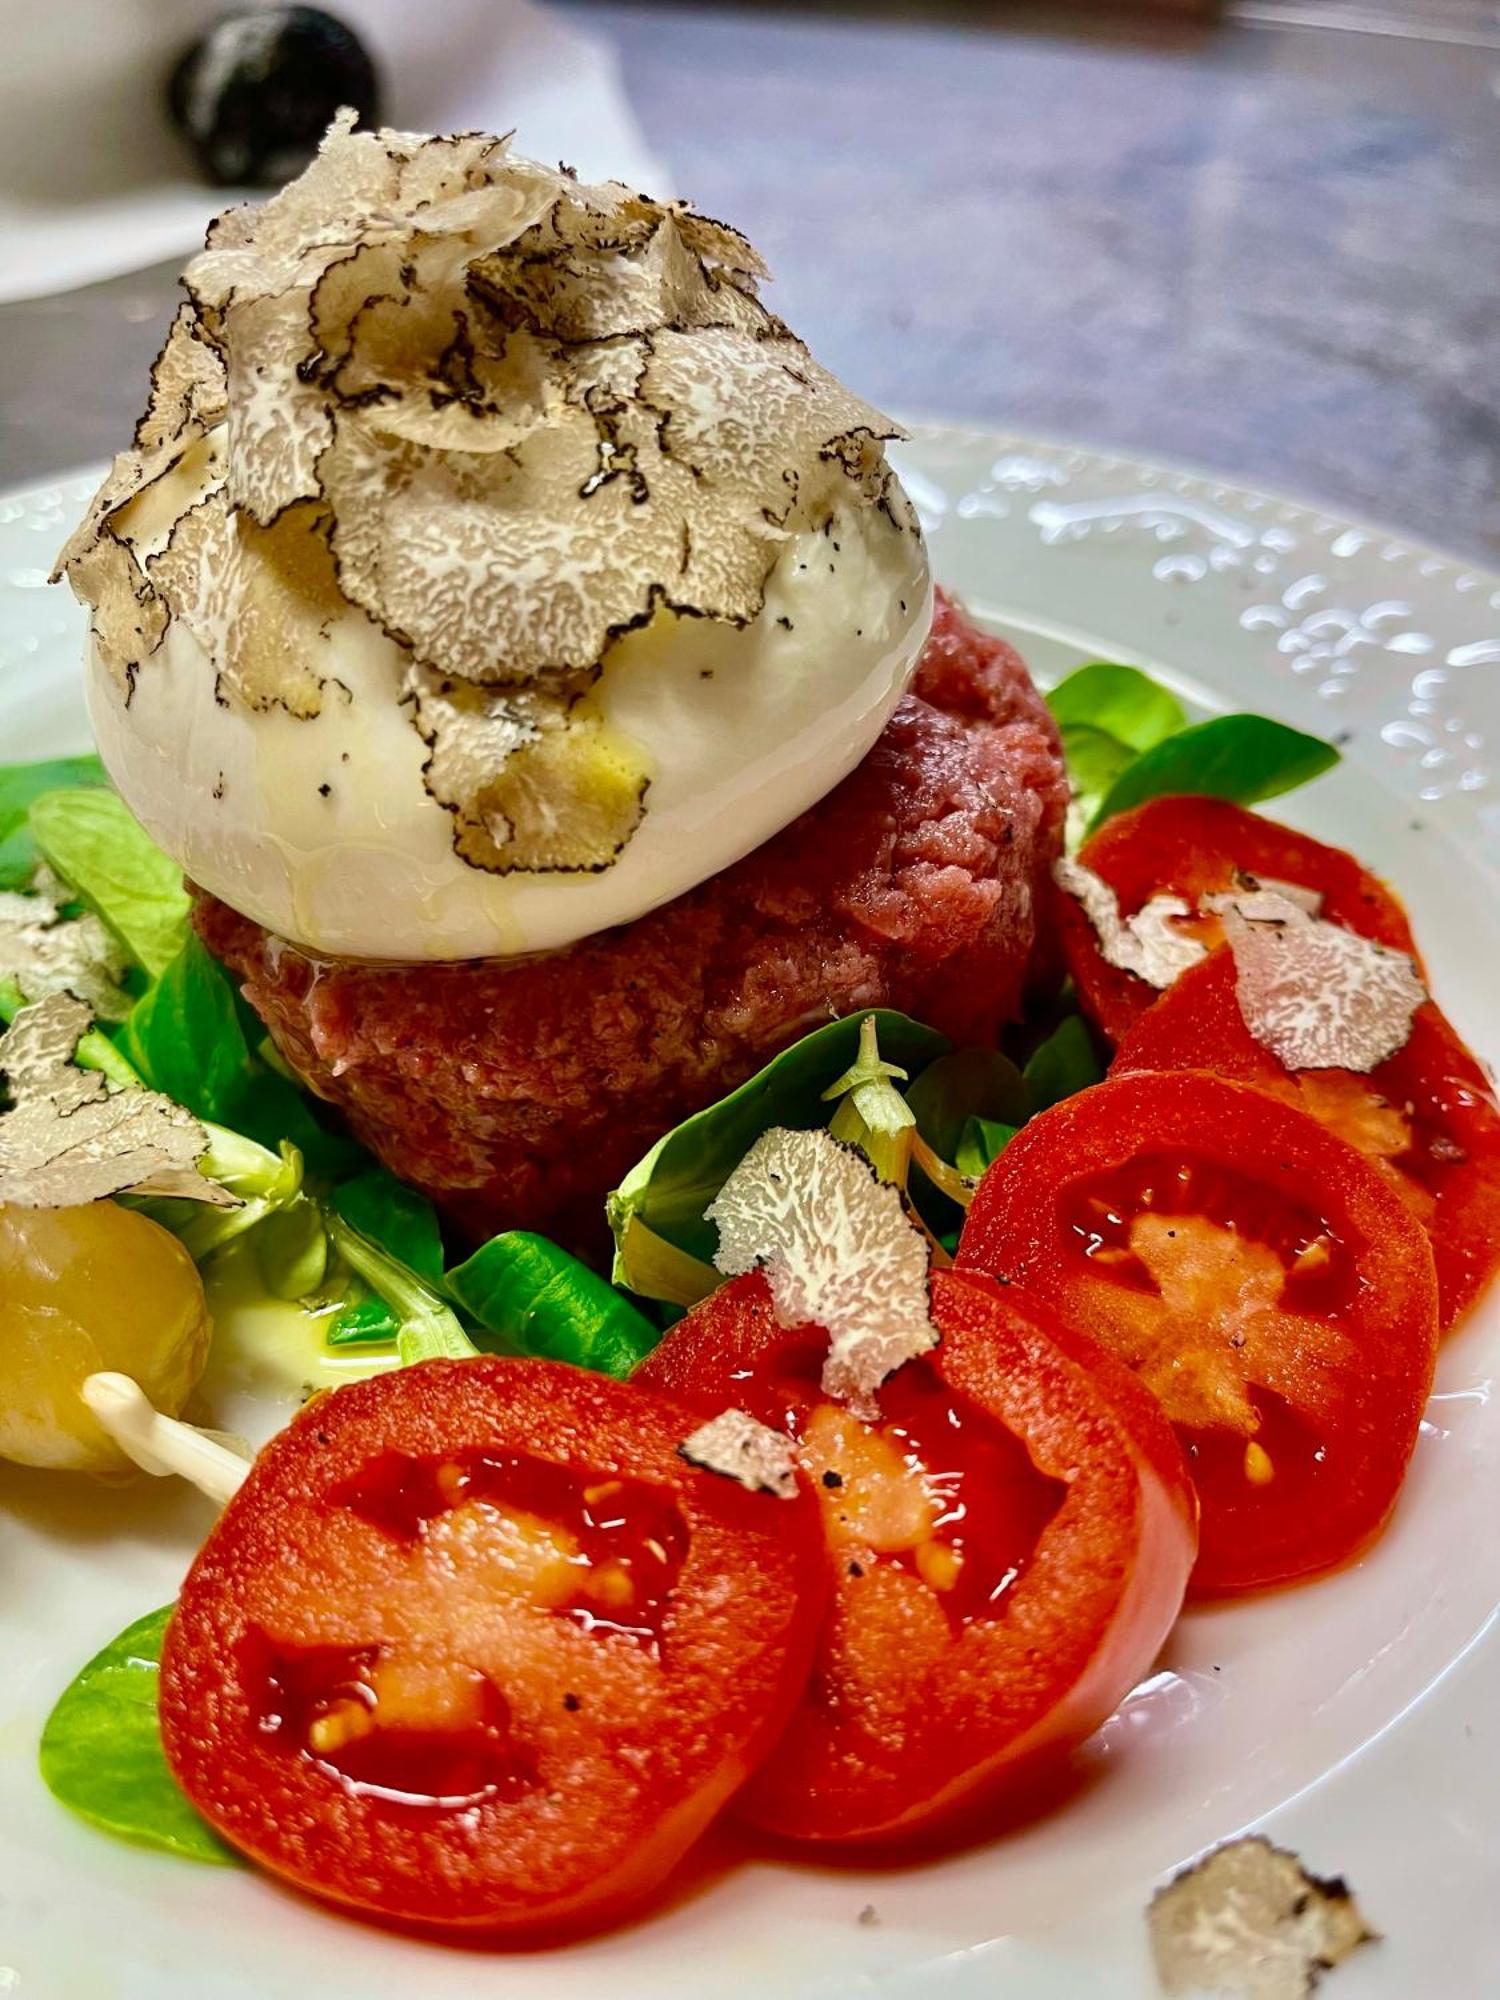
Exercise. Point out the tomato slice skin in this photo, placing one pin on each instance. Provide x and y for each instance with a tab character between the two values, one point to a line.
541	1769
1450	1174
1323	1369
909	1718
1192	847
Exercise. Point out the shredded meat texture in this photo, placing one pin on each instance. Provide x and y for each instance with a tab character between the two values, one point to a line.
517	1092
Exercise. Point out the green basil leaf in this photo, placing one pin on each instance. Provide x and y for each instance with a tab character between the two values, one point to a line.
968	1084
19	785
982	1142
670	1188
396	1217
93	841
101	1753
1066	1063
538	1300
1241	757
1120	702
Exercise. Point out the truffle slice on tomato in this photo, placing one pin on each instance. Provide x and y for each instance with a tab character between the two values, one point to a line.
1169	857
1266	1283
1007	1531
476	1648
1426	1117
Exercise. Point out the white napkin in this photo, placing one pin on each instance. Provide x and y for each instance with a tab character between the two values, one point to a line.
93	182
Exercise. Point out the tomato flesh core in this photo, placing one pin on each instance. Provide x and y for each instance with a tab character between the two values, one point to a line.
411	1740
1103	1213
1215	1280
604	1552
421	1734
899	1491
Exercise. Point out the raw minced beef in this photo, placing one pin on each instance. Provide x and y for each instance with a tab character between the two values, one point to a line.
517	1092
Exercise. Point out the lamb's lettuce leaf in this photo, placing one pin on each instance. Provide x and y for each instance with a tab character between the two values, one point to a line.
536	1299
186	1037
1065	1063
981	1143
101	1753
90	838
427	1328
20	784
398	1218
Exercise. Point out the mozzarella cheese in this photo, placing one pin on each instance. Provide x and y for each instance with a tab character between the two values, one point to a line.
321	828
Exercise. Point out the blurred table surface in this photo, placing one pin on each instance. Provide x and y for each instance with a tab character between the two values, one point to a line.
1263	246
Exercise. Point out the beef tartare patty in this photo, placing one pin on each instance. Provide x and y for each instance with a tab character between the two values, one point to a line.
518	1092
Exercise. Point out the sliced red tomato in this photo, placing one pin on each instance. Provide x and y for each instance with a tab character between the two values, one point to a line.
1427	1117
475	1648
1268	1285
1007	1542
1194	847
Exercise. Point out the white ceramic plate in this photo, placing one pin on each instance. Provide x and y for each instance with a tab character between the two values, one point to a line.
1354	1719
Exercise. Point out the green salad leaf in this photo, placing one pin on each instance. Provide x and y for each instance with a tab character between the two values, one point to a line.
539	1300
395	1216
1107	715
427	1328
291	1248
1122	703
656	1213
1245	758
101	1753
969	1083
981	1143
269	1184
19	785
1095	761
91	839
401	1222
1065	1063
366	1322
1126	739
185	1036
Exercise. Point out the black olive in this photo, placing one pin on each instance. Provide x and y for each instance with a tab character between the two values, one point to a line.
255	95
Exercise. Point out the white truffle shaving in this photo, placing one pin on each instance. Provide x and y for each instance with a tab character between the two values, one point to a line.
505	416
734	1444
1149	943
187	400
1310	900
45	952
67	1139
838	1251
1316	995
255	598
1249	1920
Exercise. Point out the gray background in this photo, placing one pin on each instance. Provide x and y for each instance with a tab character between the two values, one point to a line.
1260	246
